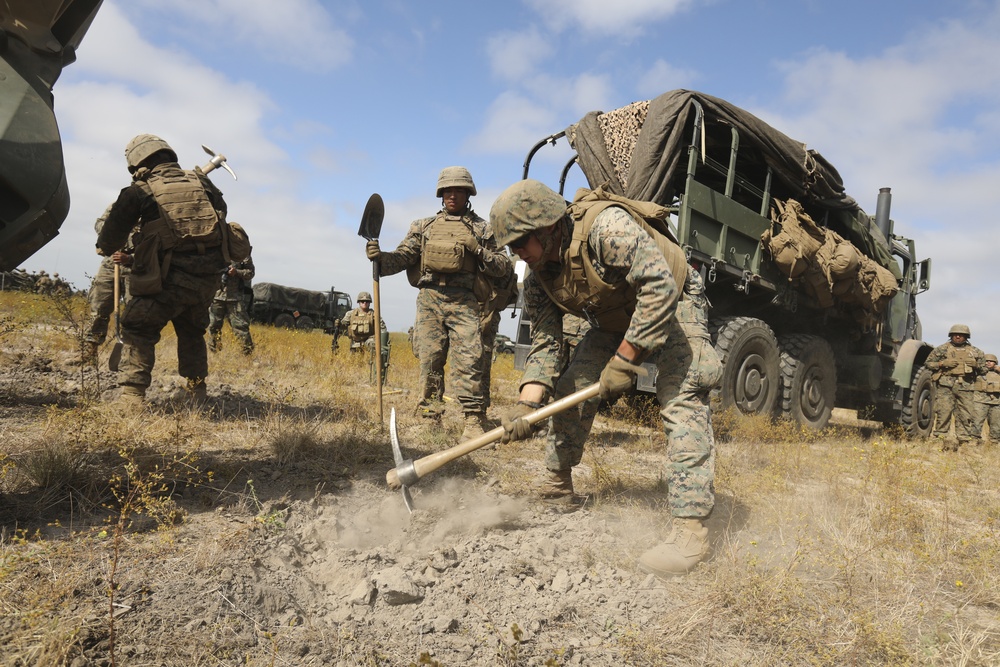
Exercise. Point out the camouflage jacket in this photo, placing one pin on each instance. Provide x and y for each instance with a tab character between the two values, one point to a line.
941	362
406	256
622	254
233	287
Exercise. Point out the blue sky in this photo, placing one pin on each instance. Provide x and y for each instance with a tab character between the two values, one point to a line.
318	104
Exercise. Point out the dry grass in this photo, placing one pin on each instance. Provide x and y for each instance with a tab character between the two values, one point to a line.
846	546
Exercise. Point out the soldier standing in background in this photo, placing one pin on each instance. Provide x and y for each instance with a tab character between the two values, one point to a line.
956	365
443	255
503	293
988	400
102	296
176	267
360	327
229	303
597	259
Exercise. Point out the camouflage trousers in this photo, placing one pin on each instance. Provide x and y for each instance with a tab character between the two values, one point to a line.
987	412
367	348
957	401
184	302
688	368
490	325
448	330
239	321
102	301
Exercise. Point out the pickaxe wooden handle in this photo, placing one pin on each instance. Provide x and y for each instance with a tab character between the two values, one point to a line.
409	473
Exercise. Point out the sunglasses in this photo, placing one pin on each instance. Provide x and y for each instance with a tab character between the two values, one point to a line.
519	242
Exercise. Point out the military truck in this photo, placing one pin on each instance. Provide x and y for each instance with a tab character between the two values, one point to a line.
297	308
788	348
38	39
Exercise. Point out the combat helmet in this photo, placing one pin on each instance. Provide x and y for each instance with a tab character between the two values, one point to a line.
992	357
364	296
455	177
524	207
142	146
960	329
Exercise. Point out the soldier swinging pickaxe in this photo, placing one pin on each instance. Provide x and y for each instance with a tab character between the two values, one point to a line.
114	359
408	472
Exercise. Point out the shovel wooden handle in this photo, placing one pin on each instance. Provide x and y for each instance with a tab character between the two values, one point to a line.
431	462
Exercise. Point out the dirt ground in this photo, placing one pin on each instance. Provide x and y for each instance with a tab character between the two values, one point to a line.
315	568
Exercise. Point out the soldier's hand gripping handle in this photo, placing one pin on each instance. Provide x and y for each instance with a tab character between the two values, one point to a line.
515	426
618	376
372	250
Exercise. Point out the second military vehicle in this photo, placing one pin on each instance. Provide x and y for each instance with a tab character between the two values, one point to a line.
297	308
813	301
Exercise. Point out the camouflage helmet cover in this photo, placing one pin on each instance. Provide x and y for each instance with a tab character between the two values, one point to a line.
960	329
142	146
991	357
524	207
455	177
364	296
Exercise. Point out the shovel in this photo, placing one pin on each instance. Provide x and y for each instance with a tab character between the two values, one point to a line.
407	473
371	225
116	351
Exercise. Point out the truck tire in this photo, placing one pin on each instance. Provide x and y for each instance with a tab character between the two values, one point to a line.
305	323
808	379
918	405
285	321
750	376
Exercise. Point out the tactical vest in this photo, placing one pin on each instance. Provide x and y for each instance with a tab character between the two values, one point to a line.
361	325
580	291
965	361
190	221
444	246
990	383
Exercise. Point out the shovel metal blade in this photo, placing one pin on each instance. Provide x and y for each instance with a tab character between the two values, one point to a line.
371	219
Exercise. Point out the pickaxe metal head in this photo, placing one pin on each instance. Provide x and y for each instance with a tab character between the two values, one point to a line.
401	465
218	160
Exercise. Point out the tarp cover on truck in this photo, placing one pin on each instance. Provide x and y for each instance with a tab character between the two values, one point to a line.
290	297
640	151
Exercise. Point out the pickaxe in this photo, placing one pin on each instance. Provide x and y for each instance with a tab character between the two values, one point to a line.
218	160
408	472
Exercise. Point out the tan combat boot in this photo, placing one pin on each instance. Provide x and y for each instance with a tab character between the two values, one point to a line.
132	398
473	425
684	547
196	393
556	486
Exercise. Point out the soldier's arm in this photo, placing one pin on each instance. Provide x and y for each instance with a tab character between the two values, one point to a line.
543	364
406	254
246	270
121	218
624	248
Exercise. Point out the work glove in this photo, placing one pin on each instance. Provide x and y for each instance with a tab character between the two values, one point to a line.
617	377
515	427
948	363
472	246
372	250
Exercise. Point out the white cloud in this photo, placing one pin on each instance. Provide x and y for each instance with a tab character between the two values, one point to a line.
300	33
921	118
661	77
599	16
516	55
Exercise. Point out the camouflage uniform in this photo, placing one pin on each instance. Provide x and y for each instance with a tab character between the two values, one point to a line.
360	327
228	304
448	326
102	294
954	388
187	289
673	332
987	396
503	293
